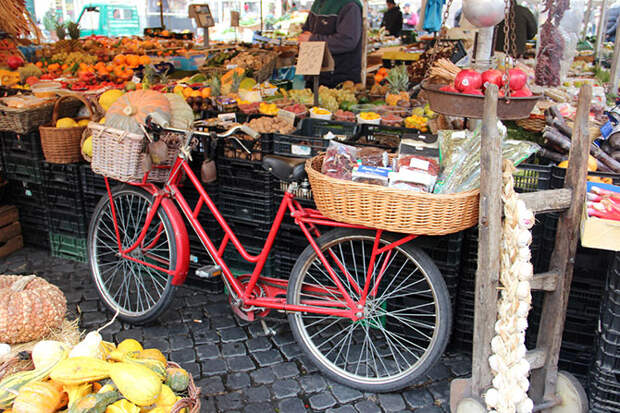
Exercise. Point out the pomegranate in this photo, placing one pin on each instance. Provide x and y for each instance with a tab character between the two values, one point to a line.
468	79
492	76
472	91
518	79
448	88
14	62
524	92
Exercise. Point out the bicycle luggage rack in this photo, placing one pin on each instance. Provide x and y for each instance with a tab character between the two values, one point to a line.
548	387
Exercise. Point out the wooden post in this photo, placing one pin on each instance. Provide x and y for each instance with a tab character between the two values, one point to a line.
364	73
615	69
586	19
422	16
543	381
489	237
161	14
600	30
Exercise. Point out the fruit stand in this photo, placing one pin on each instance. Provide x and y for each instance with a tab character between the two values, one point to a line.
84	108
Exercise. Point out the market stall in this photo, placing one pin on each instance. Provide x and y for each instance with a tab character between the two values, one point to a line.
308	200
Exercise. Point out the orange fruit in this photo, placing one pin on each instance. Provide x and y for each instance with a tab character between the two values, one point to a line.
196	94
39	64
132	60
205	92
119	59
187	92
378	78
145	60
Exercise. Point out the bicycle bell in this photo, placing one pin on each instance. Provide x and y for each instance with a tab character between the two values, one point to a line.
484	13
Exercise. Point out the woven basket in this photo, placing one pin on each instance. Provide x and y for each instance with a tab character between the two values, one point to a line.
62	145
85	134
22	121
192	401
532	124
118	154
265	72
391	209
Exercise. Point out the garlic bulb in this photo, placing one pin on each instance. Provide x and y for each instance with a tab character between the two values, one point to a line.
524	239
491	397
522	323
523	309
525	406
523	290
4	349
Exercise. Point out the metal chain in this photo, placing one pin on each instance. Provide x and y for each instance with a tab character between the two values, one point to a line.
438	39
510	40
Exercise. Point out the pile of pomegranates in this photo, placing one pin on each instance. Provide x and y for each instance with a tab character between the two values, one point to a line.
471	82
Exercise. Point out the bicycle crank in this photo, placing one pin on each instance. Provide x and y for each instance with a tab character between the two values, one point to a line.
245	312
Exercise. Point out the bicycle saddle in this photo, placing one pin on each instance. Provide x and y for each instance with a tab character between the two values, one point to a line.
285	169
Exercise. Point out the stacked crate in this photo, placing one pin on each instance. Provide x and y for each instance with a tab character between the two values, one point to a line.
604	376
65	210
22	157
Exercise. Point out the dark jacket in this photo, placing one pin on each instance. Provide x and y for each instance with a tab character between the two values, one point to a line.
525	29
393	21
339	23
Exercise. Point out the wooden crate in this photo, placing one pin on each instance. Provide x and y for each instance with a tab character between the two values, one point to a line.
10	230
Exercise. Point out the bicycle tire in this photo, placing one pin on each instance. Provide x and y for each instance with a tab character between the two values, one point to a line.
101	216
374	323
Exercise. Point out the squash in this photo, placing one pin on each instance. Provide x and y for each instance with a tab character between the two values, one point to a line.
108	97
38	397
77	391
137	383
182	113
178	379
11	384
95	402
91	346
108	386
166	397
47	351
122	406
129	345
155	366
132	109
152	354
80	370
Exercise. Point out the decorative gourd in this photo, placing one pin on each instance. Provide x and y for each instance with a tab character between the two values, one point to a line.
155	366
166	398
131	110
80	370
11	385
178	379
77	391
38	397
152	354
129	345
137	383
122	406
182	113
108	386
95	402
47	351
108	97
91	346
29	308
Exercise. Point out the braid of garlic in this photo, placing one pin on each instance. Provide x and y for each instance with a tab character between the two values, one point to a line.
508	363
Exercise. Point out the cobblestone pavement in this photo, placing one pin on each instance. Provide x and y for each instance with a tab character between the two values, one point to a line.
238	368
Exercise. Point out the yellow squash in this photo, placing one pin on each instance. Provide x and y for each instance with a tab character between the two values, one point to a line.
80	370
139	384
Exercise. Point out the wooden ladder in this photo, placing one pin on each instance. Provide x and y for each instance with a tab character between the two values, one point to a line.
569	201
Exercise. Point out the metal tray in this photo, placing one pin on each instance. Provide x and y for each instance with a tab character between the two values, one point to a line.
470	106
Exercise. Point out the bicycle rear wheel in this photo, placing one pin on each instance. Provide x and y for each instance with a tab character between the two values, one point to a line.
140	293
406	325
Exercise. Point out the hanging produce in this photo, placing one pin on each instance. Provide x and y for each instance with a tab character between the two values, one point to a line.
551	44
16	19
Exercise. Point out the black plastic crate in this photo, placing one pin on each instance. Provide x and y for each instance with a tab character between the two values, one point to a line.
63	177
317	128
238	265
236	205
25	194
249	234
25	145
298	146
64	201
558	174
530	178
68	224
93	183
22	168
90	202
389	137
286	263
604	390
245	148
65	246
249	178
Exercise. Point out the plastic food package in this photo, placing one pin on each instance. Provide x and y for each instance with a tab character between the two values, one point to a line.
461	171
369	156
416	173
374	175
339	161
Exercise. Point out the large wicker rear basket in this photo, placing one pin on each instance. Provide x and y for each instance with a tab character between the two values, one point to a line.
389	208
119	155
191	402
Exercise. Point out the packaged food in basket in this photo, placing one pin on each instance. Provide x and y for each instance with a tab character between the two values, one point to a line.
339	161
374	175
268	124
416	173
370	156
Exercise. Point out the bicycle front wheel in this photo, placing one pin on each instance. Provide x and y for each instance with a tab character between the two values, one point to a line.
406	323
139	292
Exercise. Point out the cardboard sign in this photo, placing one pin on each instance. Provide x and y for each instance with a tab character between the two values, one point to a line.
202	14
234	19
287	116
314	58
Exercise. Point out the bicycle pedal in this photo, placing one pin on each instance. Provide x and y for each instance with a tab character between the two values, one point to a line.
209	271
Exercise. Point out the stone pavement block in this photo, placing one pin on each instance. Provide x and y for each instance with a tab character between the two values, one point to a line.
283	339
233	334
439	372
186	355
291	406
260	408
233	349
342	409
157	342
193	369
258	344
241	363
461	367
257	395
307	365
93	319
211	386
291	351
267	358
215	367
417	398
285	370
237	381
263	375
440	392
313	383
180	342
178	329
366	406
282	389
322	401
343	393
207	352
221	323
430	409
229	401
391	402
205	335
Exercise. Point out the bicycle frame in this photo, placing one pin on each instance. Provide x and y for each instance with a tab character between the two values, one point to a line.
273	290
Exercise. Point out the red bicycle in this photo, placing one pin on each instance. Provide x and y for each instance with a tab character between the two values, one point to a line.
369	308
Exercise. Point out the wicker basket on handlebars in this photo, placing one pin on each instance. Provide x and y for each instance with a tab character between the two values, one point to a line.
119	155
391	209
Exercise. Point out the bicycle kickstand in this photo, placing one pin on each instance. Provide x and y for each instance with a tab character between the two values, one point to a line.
268	331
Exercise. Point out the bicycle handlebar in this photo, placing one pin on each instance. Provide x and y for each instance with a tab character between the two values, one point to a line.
153	122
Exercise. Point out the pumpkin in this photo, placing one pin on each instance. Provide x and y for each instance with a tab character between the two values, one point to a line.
131	110
182	113
38	397
80	370
46	352
178	379
122	406
10	385
95	402
137	383
29	308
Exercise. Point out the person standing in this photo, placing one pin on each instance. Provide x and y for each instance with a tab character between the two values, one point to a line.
525	29
339	23
392	19
410	17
